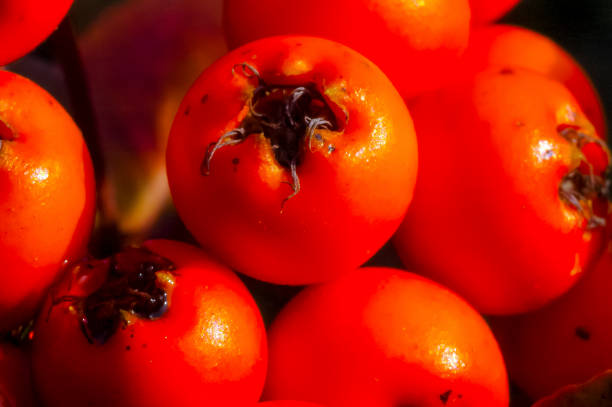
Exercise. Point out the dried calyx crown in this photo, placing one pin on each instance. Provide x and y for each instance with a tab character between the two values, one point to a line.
580	189
287	115
131	287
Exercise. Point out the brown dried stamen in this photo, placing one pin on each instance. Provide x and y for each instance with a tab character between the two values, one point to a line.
579	189
131	286
287	115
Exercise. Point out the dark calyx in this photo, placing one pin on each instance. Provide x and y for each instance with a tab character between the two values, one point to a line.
287	115
580	190
131	286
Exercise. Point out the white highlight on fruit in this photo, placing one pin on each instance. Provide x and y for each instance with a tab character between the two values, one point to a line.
217	331
40	174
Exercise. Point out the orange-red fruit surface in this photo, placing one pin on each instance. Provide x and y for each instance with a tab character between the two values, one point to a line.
567	342
47	195
500	214
26	23
15	377
354	177
208	347
287	403
509	46
382	337
484	11
413	42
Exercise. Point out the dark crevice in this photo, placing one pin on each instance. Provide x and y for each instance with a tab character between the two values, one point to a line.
582	333
444	396
6	133
581	188
287	115
131	286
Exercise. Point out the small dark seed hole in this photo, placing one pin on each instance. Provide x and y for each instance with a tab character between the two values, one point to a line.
6	133
444	396
582	333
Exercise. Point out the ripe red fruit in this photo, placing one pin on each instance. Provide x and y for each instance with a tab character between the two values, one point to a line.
506	46
314	159
382	337
47	189
508	208
413	42
287	403
567	342
15	377
26	23
157	326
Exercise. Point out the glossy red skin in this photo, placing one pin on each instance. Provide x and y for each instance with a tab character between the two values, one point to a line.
382	337
487	220
485	11
209	348
543	349
15	377
287	403
412	42
509	46
47	192
27	23
351	199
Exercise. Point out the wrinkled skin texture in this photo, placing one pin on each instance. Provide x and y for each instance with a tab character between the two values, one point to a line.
485	11
413	42
47	189
487	219
356	182
27	23
169	45
506	46
208	348
15	377
566	342
382	337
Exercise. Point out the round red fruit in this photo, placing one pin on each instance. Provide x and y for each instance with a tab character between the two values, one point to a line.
509	207
381	337
287	403
153	326
26	23
567	342
506	46
47	195
293	159
413	42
